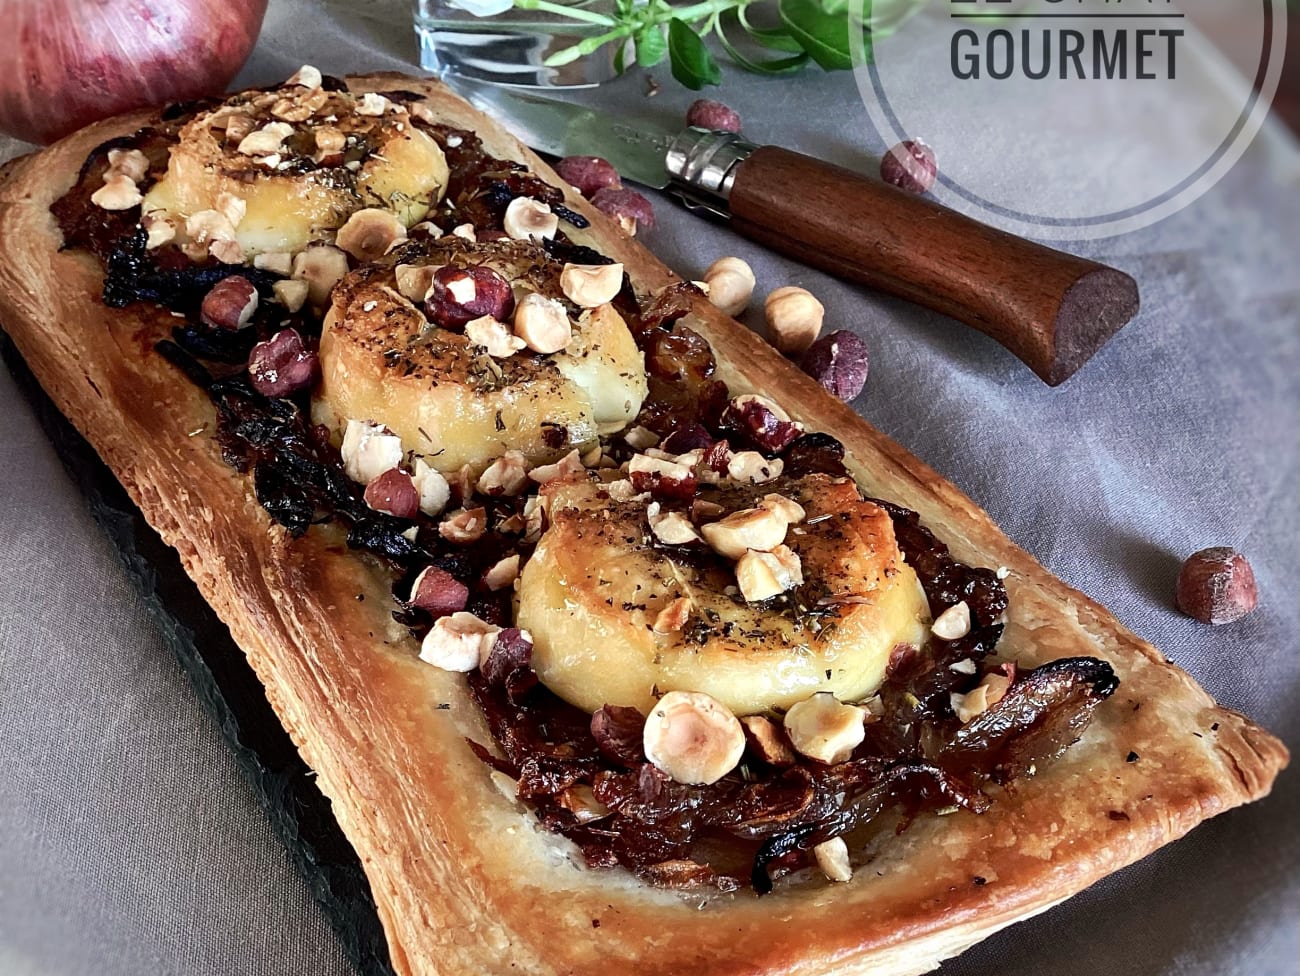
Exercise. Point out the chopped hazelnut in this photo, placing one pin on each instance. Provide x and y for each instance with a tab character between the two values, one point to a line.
393	493
825	729
527	219
767	741
465	232
232	208
369	233
458	642
580	800
624	491
794	319
434	490
307	76
953	623
464	526
673	617
372	103
832	856
322	266
237	125
763	575
291	293
752	467
368	450
461	484
661	476
502	573
159	229
507	475
229	304
750	528
671	528
131	163
438	592
415	281
786	508
693	738
991	690
730	284
567	467
543	324
268	140
640	438
330	143
119	192
534	518
207	229
591	285
297	109
493	336
226	251
276	262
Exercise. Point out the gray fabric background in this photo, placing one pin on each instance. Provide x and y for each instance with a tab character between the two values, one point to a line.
130	844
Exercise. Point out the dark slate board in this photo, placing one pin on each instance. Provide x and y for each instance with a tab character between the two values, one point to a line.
228	688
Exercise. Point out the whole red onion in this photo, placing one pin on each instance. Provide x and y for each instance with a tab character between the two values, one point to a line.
69	62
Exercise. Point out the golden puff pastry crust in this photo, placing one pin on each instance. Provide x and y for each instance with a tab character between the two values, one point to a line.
463	878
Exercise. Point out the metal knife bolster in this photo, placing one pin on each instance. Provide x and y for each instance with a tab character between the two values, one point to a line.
702	166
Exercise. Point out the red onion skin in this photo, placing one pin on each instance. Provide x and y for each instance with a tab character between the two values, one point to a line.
70	62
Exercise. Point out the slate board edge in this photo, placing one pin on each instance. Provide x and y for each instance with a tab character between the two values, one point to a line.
283	784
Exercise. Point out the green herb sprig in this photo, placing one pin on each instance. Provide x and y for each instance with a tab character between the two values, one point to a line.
650	30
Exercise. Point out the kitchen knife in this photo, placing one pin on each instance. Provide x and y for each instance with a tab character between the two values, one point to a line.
1051	309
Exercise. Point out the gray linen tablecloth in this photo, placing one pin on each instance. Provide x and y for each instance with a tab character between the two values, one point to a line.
129	843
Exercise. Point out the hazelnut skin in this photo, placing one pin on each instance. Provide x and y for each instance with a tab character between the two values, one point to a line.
1216	586
838	361
705	113
910	166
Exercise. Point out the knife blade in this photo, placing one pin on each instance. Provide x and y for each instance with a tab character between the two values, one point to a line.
1051	309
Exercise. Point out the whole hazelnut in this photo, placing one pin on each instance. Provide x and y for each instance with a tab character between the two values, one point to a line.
794	319
629	208
731	284
910	166
587	174
838	361
1216	586
460	295
705	113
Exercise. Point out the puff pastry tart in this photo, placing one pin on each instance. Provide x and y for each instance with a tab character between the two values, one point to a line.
614	640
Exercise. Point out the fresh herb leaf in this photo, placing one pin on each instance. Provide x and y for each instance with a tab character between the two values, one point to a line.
824	36
692	64
763	66
650	46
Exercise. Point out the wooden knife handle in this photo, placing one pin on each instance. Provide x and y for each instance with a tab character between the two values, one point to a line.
1053	310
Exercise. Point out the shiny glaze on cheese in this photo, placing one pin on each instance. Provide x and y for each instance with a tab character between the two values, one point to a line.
388	163
382	360
593	588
